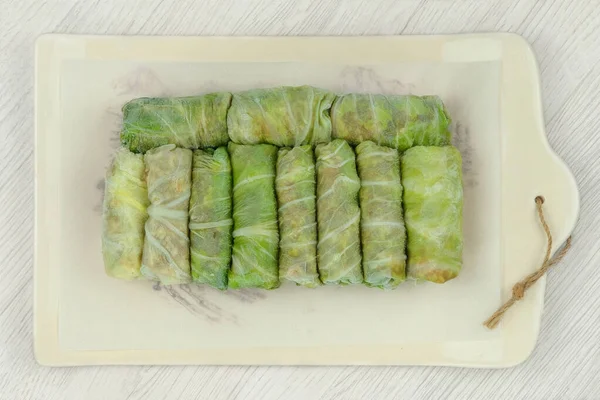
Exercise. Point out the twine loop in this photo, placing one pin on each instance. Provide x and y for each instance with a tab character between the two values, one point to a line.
519	289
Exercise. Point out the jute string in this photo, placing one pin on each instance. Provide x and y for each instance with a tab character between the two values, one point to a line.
518	291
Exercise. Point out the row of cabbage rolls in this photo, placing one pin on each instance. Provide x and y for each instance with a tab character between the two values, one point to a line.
286	117
253	215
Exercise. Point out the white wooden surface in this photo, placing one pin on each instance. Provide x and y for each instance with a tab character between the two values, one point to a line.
566	38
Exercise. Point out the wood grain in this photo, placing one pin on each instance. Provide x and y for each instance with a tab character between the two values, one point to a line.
565	36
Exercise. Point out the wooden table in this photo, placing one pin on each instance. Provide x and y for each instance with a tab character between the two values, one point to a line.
565	36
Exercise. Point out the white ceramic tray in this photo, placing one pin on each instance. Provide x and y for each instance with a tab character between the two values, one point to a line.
490	84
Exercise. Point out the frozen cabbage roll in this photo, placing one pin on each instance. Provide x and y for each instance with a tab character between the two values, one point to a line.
398	121
433	203
124	215
295	185
282	116
255	232
210	217
383	235
167	246
338	214
188	122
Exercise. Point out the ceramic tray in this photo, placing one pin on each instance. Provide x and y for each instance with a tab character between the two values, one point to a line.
490	85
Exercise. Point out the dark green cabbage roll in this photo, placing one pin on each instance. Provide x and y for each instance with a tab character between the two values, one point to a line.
433	203
167	246
338	214
124	215
255	232
383	235
295	185
283	116
398	121
210	217
188	122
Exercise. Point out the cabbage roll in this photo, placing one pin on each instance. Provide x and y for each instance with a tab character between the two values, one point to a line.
433	202
255	233
210	217
188	122
124	215
295	185
383	235
282	116
397	121
338	215
166	255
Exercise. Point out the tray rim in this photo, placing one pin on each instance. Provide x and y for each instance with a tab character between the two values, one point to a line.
521	98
